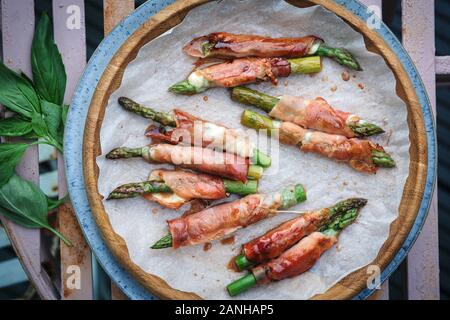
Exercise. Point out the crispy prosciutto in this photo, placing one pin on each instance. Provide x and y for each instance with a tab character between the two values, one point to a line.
195	131
362	155
222	220
277	240
296	260
274	242
185	187
179	127
302	253
232	73
221	164
315	114
228	46
199	159
173	188
244	71
310	114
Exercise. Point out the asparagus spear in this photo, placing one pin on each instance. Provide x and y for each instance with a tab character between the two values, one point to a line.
265	102
340	55
131	190
257	121
167	119
336	215
290	196
254	171
332	229
198	83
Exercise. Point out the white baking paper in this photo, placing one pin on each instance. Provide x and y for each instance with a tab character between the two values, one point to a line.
370	94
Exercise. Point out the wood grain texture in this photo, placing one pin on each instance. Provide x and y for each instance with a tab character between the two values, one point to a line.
171	16
114	11
418	40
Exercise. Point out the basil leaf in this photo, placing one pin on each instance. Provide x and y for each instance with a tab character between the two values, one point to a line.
38	124
16	93
65	111
24	203
48	69
10	155
53	204
14	127
53	120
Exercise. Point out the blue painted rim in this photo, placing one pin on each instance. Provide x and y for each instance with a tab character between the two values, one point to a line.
73	142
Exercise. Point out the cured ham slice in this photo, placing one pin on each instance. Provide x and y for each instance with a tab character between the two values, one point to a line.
315	114
199	159
227	45
195	131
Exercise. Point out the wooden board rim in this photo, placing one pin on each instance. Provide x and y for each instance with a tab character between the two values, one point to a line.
117	246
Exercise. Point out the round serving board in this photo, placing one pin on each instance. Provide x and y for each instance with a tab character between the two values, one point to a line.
103	76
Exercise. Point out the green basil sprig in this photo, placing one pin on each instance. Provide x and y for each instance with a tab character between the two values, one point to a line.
39	117
29	207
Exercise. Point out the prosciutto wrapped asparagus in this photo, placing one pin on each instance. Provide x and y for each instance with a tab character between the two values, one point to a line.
187	127
226	45
219	221
174	188
298	258
273	243
244	71
361	155
221	164
310	114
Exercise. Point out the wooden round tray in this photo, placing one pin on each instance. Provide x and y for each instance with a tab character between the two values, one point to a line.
353	284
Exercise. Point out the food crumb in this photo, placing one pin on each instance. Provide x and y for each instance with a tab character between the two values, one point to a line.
286	83
354	76
229	240
325	78
345	76
205	98
361	86
345	183
338	247
207	246
195	274
334	88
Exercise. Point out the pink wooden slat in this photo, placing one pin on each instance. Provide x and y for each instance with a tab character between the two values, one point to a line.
17	30
383	292
418	39
114	11
443	65
70	36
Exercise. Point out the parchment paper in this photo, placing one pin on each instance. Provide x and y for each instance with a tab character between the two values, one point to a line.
370	94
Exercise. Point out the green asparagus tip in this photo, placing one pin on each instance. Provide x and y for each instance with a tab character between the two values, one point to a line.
349	204
382	159
164	242
340	55
241	285
183	87
242	263
131	190
365	129
261	159
255	172
290	196
124	152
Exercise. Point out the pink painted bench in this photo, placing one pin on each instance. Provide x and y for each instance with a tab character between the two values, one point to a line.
17	27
